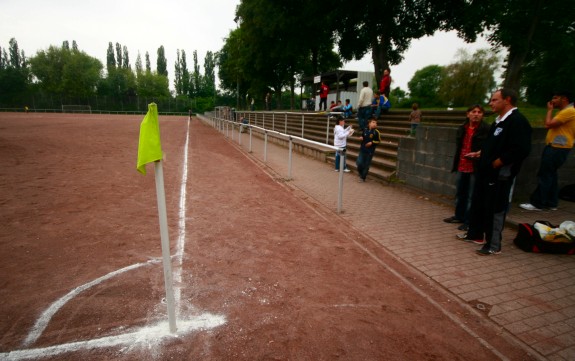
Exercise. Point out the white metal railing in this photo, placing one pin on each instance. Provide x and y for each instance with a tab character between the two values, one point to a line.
224	125
254	118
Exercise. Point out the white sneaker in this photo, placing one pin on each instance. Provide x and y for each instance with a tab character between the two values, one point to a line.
337	170
346	170
529	207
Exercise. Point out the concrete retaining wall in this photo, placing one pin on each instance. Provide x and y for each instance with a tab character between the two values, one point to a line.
425	161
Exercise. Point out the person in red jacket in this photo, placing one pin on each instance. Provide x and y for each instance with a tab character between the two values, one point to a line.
323	92
385	84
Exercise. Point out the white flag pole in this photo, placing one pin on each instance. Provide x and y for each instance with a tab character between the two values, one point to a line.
162	214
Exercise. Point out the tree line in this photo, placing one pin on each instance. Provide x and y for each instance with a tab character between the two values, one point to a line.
276	44
74	77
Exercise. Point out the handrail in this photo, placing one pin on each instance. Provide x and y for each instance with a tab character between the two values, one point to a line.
221	123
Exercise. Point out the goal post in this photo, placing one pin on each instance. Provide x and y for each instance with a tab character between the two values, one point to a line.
76	108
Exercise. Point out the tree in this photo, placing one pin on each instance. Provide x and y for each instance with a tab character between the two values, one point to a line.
119	55
387	27
162	63
177	74
424	86
470	79
524	28
66	72
209	88
148	66
125	57
139	68
185	74
274	52
110	58
14	74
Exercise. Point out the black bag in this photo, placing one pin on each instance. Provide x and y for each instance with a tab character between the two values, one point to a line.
529	240
567	193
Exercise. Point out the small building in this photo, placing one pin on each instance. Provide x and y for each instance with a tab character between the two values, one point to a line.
343	84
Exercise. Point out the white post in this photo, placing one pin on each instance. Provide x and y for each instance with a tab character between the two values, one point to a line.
289	157
340	190
166	258
250	149
265	146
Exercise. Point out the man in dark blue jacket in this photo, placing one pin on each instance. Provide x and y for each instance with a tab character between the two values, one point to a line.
507	145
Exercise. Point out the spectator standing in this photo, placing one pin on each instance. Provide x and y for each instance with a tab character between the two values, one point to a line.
468	142
414	118
340	135
507	144
370	138
558	144
252	105
323	92
268	100
364	105
385	84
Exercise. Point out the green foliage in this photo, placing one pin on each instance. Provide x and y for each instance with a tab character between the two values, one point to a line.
110	58
162	63
152	84
470	79
424	86
66	72
386	27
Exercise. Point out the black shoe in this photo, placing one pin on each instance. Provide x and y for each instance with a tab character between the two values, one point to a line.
483	251
463	227
452	220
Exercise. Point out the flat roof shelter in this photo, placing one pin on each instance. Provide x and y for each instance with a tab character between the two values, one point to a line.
343	84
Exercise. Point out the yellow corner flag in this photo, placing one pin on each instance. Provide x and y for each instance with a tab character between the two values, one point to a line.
149	148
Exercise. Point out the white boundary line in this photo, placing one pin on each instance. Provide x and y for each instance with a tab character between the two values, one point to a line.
150	334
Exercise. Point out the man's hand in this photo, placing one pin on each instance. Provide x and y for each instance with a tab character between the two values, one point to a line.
367	145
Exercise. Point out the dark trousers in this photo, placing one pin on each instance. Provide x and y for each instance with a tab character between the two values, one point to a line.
463	196
489	207
363	115
546	195
324	102
363	162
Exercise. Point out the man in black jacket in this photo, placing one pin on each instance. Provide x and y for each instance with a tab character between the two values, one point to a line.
469	139
507	145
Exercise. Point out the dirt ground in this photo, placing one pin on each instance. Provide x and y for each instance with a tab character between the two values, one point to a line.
293	280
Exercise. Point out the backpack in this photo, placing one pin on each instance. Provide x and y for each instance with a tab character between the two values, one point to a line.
567	193
528	239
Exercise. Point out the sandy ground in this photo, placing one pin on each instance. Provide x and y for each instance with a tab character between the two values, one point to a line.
291	280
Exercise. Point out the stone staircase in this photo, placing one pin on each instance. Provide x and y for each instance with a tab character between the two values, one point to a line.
393	126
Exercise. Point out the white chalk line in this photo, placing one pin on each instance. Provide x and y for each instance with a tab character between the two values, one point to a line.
46	316
177	274
202	322
145	335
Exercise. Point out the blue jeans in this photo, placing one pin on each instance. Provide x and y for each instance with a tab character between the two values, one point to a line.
337	159
363	162
413	129
463	195
546	195
363	115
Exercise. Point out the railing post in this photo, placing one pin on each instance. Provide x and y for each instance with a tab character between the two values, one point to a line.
290	157
327	131
285	130
240	134
341	172
265	146
302	124
250	148
274	121
263	120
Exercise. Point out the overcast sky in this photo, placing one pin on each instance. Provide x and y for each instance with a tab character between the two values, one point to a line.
145	25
